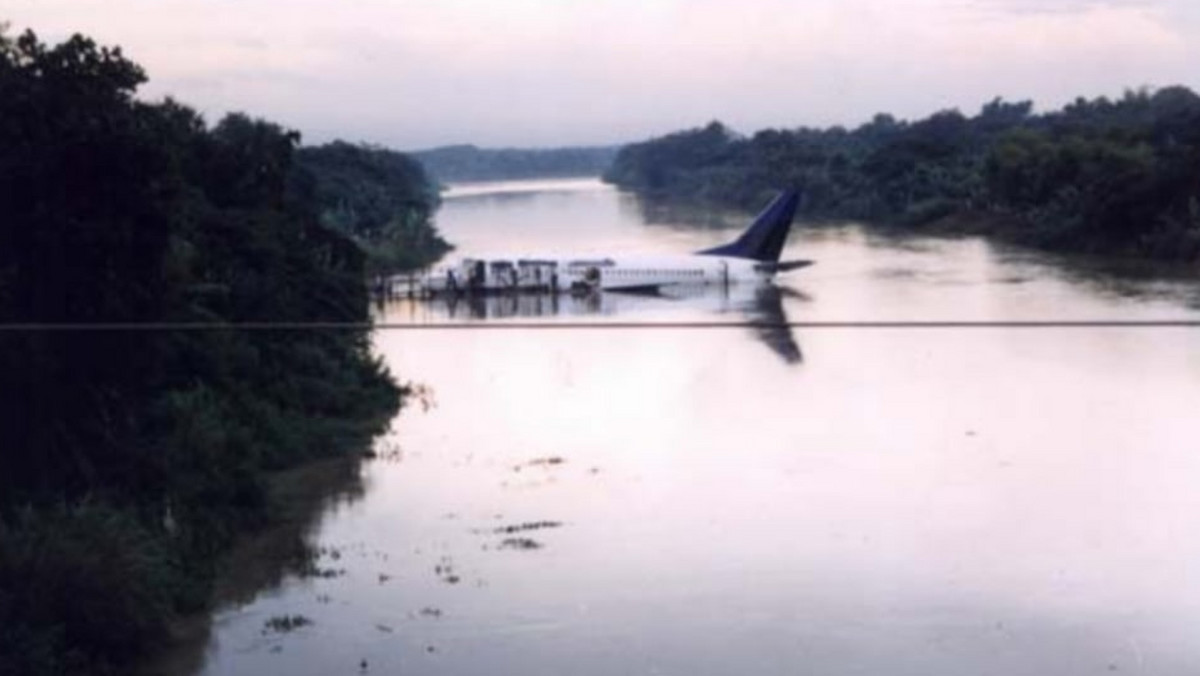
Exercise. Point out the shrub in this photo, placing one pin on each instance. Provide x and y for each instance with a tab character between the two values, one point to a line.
82	590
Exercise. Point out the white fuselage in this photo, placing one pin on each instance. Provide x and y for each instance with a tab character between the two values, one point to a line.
584	273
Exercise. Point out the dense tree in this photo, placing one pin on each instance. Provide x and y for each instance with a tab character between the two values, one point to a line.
131	456
380	198
83	239
1098	176
470	163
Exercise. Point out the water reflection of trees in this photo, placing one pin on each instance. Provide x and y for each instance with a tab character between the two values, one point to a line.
688	216
265	559
1112	277
299	498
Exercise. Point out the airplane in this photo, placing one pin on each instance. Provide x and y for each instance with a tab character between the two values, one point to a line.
753	258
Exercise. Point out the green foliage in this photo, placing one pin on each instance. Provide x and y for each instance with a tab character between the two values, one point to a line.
379	198
469	163
1099	176
131	458
83	590
1105	177
83	239
707	162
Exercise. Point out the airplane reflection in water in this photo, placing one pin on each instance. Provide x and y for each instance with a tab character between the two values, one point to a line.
761	305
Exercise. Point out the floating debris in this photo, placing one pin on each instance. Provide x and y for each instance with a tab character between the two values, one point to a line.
540	462
327	573
445	570
312	570
524	544
424	394
429	611
527	526
283	624
384	628
387	451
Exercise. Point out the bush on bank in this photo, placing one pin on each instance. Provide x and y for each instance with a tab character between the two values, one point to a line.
131	458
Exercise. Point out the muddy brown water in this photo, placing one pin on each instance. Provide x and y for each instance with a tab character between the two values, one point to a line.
756	501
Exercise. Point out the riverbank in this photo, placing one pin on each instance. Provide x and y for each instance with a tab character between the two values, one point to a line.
136	455
259	560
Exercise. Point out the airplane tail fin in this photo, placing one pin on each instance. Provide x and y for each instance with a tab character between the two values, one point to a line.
764	239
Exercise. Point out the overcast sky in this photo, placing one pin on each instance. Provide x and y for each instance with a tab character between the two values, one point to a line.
414	74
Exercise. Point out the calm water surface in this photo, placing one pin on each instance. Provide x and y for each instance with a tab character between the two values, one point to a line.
724	501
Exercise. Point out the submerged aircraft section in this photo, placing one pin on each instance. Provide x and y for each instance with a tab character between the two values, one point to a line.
759	306
735	278
754	257
489	276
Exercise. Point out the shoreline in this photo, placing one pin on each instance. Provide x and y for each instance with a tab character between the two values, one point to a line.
262	559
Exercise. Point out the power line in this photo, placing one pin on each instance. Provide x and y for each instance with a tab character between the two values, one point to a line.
502	325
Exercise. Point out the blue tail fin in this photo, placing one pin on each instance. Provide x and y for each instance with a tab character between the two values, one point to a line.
764	239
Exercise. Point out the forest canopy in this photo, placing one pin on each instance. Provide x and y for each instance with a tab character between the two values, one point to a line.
1099	176
470	163
132	455
381	199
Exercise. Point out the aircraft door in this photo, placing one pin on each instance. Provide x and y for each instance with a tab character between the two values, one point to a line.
478	272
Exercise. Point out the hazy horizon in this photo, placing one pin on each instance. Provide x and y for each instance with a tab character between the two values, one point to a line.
420	74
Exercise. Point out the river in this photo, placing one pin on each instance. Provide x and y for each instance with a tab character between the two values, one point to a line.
763	501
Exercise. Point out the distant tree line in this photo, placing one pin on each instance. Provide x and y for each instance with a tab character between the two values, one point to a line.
130	457
1099	176
463	163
